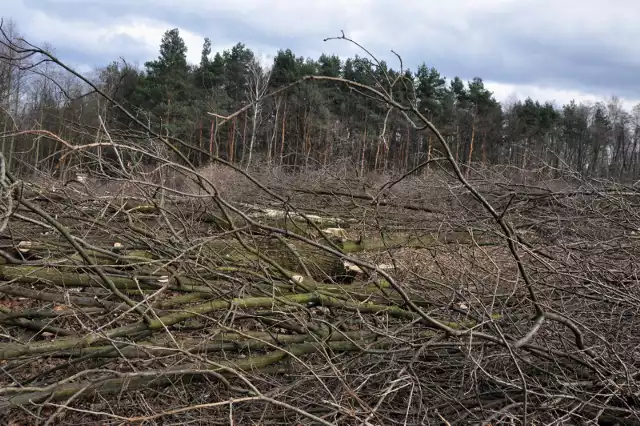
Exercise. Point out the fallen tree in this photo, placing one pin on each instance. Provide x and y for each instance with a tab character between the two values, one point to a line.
112	305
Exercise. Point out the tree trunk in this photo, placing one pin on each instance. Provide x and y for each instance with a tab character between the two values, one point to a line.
364	146
326	149
232	144
407	149
253	135
284	119
244	137
272	141
375	164
212	137
429	148
473	135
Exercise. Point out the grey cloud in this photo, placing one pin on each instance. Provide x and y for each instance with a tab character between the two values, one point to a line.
569	45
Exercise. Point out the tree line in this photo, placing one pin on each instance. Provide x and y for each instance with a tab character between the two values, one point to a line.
310	125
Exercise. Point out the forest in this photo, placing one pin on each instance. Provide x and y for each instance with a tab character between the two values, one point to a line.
313	124
330	241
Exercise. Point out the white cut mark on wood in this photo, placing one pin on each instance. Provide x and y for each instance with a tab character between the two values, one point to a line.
336	232
281	214
384	266
352	267
24	246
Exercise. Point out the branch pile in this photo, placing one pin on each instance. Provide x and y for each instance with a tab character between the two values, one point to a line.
504	303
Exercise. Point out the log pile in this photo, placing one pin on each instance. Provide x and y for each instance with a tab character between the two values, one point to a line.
104	298
94	280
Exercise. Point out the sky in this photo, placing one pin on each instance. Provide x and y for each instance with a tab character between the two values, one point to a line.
548	50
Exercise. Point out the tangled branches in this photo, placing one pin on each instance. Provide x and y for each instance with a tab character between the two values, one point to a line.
141	296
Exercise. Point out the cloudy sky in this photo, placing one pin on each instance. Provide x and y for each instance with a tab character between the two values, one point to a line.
549	50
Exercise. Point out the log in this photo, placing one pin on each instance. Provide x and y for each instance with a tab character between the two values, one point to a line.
323	266
301	257
220	223
14	350
132	206
220	341
71	278
292	256
21	291
417	241
158	379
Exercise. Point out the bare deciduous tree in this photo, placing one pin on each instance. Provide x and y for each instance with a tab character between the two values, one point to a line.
258	81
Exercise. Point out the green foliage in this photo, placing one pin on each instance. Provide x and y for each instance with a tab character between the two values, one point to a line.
431	91
286	68
329	66
167	86
235	63
330	118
